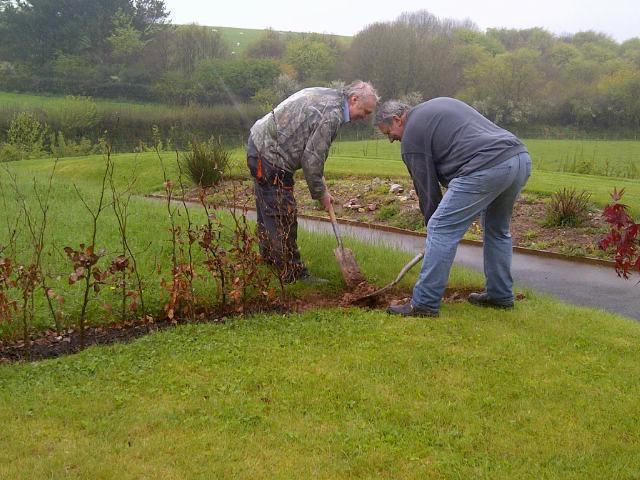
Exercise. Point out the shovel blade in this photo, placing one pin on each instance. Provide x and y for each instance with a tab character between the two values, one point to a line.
348	266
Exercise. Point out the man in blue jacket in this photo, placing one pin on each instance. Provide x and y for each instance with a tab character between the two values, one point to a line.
447	143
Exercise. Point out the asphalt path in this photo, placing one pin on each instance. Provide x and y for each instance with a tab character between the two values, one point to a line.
579	284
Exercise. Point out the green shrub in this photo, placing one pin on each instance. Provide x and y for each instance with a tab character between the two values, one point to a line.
567	208
78	115
206	162
27	135
62	147
387	212
9	153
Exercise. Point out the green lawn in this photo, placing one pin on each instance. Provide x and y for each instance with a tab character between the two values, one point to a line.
381	158
545	391
595	157
608	158
149	235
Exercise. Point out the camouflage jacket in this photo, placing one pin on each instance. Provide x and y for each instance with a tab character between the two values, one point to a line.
298	133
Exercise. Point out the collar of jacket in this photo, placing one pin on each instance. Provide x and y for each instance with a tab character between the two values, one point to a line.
345	111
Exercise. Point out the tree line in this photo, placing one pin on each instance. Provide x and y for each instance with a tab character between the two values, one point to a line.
127	49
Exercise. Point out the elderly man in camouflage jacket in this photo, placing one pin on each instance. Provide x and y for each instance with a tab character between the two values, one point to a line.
297	135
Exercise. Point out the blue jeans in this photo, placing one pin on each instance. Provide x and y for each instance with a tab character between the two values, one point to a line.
490	193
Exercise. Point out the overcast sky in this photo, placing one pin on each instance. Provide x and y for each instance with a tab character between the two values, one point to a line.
618	18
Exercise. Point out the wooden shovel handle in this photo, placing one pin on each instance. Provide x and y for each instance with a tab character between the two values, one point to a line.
408	267
334	224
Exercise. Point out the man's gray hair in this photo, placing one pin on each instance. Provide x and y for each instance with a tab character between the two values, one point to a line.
388	109
361	89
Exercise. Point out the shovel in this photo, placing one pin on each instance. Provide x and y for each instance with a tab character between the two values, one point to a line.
373	295
348	265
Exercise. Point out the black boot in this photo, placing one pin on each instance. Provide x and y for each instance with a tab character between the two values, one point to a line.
483	300
410	310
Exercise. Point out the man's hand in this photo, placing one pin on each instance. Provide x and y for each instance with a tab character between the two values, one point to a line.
326	200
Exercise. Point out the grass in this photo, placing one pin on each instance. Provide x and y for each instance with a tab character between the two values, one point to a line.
239	38
606	158
149	224
27	101
544	391
595	157
149	234
133	121
381	158
338	394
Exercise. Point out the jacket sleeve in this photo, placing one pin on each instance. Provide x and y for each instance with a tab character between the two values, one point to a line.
315	154
425	180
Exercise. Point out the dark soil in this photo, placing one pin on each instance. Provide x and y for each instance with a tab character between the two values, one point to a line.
52	345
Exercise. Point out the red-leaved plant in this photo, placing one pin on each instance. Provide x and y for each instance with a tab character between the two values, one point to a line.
8	306
623	236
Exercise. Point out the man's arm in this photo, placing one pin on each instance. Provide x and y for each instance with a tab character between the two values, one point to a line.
315	154
425	179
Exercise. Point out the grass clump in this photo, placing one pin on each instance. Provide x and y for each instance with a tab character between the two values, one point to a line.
567	208
387	212
206	162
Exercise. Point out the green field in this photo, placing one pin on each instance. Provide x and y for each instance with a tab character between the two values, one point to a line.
380	158
239	38
146	114
30	102
544	391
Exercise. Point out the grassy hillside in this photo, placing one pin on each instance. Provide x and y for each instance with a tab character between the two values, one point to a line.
239	38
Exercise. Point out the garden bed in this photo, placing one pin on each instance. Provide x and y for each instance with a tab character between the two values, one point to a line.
371	201
53	344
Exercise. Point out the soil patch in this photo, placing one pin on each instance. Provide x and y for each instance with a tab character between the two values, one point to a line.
372	201
52	345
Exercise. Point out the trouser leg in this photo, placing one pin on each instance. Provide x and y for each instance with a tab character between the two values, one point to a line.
496	221
466	198
278	229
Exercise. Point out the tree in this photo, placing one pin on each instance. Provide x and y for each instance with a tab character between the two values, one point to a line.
631	50
230	81
532	38
312	60
416	53
270	44
36	31
504	88
191	44
125	40
149	14
620	97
